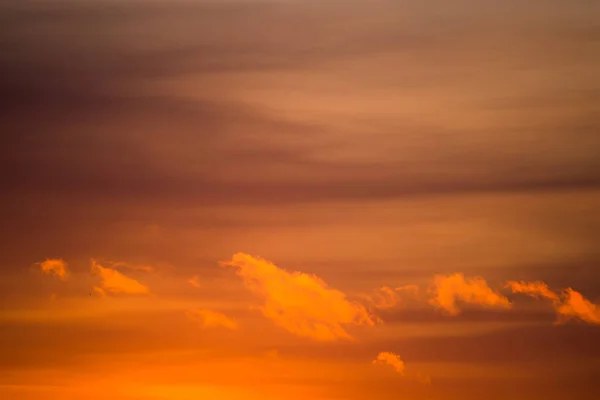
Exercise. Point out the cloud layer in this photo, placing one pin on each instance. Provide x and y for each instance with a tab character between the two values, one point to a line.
301	303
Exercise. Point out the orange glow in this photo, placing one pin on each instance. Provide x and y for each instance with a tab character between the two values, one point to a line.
299	200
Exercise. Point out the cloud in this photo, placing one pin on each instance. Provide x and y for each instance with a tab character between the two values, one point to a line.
195	281
570	304
386	297
55	266
212	319
390	359
574	305
301	303
115	282
537	289
396	362
450	289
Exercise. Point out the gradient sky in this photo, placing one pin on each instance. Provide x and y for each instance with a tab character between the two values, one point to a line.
302	199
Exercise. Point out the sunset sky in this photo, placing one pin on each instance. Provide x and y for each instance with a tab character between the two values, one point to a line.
300	199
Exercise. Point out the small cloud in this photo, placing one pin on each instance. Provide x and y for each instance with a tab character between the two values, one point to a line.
115	282
53	297
212	319
390	359
535	289
574	305
300	303
386	297
451	289
195	281
394	361
55	266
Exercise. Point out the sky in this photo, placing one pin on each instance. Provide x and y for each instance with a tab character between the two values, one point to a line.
301	199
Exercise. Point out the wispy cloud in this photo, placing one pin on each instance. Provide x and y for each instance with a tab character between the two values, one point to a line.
115	282
570	304
450	290
212	319
536	289
55	266
301	303
387	297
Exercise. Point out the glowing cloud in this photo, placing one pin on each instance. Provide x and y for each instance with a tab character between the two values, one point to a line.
535	289
390	359
212	319
115	282
574	305
300	303
448	290
55	266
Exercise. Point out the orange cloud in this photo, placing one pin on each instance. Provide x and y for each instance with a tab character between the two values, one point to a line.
386	297
55	266
570	304
212	319
301	303
390	359
448	290
115	282
395	362
535	289
195	281
574	305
